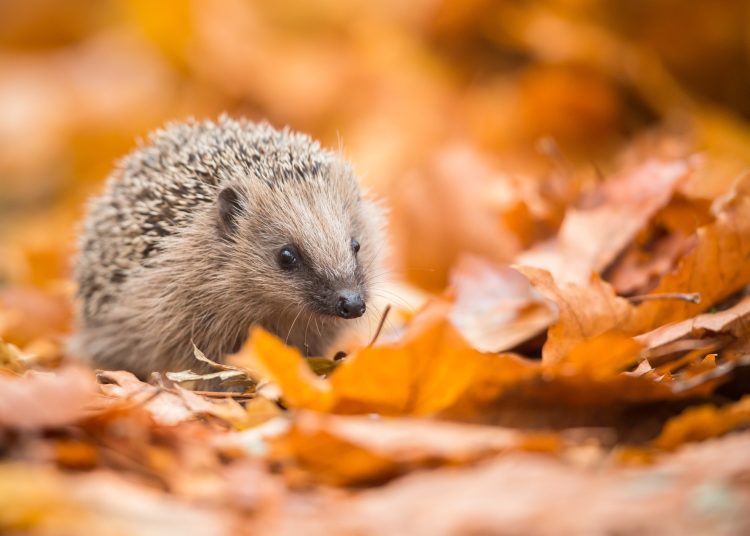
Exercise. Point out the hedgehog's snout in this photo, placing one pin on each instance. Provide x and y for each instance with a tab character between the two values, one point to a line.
350	304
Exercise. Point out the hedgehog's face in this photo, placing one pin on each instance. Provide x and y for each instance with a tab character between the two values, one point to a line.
310	241
344	297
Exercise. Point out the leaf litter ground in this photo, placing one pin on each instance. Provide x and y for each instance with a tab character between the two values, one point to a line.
531	396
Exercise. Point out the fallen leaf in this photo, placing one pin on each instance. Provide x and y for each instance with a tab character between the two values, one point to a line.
602	356
46	399
189	375
668	237
592	235
227	409
170	407
12	358
423	373
495	308
698	490
637	272
584	311
703	422
41	500
427	371
718	329
716	268
346	450
321	366
166	408
286	367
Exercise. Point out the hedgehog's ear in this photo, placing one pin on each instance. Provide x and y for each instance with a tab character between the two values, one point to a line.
229	211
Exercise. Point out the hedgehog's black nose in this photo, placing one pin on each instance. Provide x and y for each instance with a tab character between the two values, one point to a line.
350	304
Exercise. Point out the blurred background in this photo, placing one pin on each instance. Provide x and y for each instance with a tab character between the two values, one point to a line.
475	121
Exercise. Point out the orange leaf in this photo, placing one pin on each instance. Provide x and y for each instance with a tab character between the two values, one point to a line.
423	374
697	424
602	356
591	237
346	450
584	311
717	267
287	368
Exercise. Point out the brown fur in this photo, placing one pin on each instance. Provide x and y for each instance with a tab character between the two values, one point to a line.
155	270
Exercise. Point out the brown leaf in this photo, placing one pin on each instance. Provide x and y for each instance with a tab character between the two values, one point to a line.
638	272
584	311
40	500
427	371
698	490
227	409
12	358
46	399
171	407
222	372
668	237
166	408
610	217
602	356
356	450
716	268
720	328
495	308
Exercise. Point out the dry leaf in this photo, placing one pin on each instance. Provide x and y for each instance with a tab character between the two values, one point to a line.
12	358
488	128
703	422
610	217
668	237
40	500
495	308
714	330
698	490
584	311
357	450
424	373
171	407
602	356
227	409
715	269
286	367
46	399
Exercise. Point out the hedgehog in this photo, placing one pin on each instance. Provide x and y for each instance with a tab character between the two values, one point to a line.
210	228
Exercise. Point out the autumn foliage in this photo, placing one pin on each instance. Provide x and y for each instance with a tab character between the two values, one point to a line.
561	344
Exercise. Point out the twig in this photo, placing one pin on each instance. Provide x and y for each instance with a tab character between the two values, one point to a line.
692	297
380	325
662	354
713	374
222	394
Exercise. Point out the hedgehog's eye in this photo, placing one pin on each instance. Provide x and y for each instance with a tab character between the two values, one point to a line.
287	257
355	245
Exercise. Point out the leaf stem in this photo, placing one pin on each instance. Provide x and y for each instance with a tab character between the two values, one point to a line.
380	325
692	297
